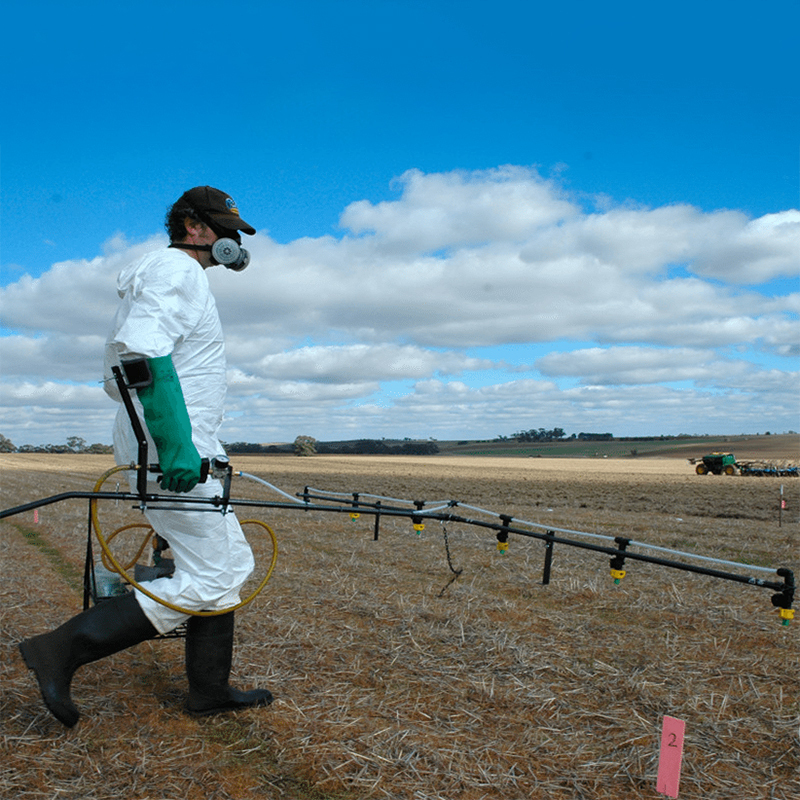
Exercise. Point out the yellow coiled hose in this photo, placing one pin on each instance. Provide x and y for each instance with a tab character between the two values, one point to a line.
111	562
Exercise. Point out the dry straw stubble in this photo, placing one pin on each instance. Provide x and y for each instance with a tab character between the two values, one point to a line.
393	682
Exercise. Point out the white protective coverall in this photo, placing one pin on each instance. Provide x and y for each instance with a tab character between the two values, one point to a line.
167	309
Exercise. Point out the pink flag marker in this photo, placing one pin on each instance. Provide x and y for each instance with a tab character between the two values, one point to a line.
35	515
669	760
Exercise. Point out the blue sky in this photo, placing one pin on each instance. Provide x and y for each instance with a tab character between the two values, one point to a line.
473	218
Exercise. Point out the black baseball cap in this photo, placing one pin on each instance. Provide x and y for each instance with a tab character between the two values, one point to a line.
220	207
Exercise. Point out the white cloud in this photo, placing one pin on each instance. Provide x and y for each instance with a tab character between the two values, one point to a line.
46	412
456	209
640	366
754	252
332	332
445	410
630	365
376	362
75	297
500	256
63	358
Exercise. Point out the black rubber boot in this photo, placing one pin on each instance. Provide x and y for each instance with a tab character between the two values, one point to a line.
108	627
209	652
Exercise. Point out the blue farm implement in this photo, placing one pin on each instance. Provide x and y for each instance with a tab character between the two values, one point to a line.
726	464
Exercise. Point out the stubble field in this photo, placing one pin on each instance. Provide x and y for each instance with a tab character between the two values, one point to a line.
395	678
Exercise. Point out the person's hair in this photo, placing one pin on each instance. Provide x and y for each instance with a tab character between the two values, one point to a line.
174	221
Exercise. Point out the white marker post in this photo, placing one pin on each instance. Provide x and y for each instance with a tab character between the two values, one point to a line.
669	760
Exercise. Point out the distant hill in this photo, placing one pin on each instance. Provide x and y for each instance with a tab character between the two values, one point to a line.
763	446
777	446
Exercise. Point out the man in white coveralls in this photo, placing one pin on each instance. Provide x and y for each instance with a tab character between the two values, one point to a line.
167	337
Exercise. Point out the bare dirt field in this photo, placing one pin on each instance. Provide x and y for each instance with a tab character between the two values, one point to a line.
396	678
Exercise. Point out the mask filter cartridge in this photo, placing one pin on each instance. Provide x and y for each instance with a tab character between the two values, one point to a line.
230	254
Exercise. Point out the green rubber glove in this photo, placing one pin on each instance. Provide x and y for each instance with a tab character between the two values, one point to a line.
168	422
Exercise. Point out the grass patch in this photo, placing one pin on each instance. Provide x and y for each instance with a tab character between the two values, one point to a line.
72	577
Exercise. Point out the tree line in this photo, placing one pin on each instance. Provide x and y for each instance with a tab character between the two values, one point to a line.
308	445
302	446
75	444
554	435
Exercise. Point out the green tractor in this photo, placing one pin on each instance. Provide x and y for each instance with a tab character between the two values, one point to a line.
717	464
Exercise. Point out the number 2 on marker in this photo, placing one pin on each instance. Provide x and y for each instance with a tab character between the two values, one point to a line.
669	761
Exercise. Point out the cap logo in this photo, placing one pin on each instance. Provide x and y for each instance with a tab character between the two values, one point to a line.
231	206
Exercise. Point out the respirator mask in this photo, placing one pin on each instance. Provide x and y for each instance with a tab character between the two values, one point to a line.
226	251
